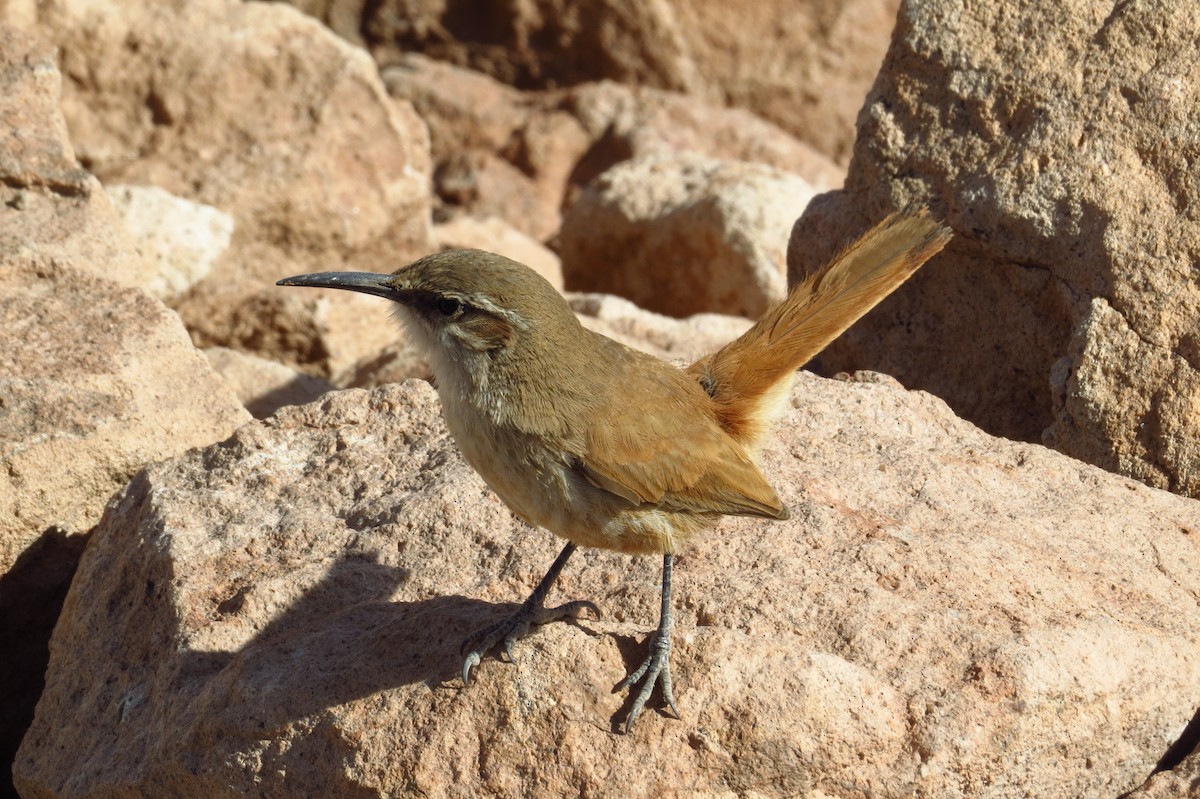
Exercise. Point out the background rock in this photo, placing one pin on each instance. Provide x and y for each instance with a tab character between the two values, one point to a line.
96	378
805	66
495	235
263	386
263	113
183	238
945	614
668	338
684	235
525	156
1066	182
52	206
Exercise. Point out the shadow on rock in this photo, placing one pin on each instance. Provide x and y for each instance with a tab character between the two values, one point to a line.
322	653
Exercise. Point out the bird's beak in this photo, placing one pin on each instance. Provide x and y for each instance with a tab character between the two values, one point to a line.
366	282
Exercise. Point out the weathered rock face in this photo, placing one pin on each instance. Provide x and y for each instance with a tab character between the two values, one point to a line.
805	66
183	238
1067	181
263	386
684	235
263	113
945	614
52	206
524	157
681	340
495	235
96	378
1172	783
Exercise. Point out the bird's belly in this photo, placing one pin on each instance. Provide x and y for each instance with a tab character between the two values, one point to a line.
540	487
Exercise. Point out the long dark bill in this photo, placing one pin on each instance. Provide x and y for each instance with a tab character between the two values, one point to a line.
366	282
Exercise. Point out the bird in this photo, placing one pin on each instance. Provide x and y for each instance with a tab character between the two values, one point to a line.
606	446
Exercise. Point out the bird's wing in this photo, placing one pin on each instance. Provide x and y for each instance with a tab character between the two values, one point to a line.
672	455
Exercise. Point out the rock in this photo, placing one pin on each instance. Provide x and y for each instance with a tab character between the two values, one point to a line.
1170	783
395	363
96	381
263	386
1065	183
1104	415
524	157
495	235
684	235
52	206
805	66
945	614
683	340
262	113
96	378
184	239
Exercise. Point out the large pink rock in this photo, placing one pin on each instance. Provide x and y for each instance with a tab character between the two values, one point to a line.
685	234
946	613
525	156
803	65
263	113
1066	309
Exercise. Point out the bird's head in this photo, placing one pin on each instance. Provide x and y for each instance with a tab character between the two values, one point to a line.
465	309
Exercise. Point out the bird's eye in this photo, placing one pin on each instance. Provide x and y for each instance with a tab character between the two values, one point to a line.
448	306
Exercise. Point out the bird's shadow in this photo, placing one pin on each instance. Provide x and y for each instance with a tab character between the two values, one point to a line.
322	652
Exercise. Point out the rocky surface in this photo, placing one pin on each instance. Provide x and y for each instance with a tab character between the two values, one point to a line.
495	235
263	113
525	156
183	238
684	235
804	65
263	386
96	377
946	614
681	340
96	380
1067	307
52	207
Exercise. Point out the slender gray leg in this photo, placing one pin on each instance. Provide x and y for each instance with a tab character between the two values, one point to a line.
657	667
532	612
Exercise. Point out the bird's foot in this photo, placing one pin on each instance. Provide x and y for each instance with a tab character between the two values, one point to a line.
656	669
510	630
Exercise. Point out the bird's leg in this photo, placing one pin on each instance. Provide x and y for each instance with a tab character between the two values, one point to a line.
532	612
656	668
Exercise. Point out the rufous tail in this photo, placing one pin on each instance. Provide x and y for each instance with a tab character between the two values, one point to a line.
748	378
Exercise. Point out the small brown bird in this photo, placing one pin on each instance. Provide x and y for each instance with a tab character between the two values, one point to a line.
607	446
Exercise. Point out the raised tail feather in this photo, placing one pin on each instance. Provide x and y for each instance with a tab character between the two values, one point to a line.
747	377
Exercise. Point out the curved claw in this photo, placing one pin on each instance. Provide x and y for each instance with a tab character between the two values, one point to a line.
471	661
508	631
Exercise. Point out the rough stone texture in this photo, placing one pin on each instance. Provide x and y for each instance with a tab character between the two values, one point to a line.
263	386
805	66
1067	181
684	235
183	238
95	381
51	205
664	336
495	235
258	111
946	614
525	156
1181	781
96	378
